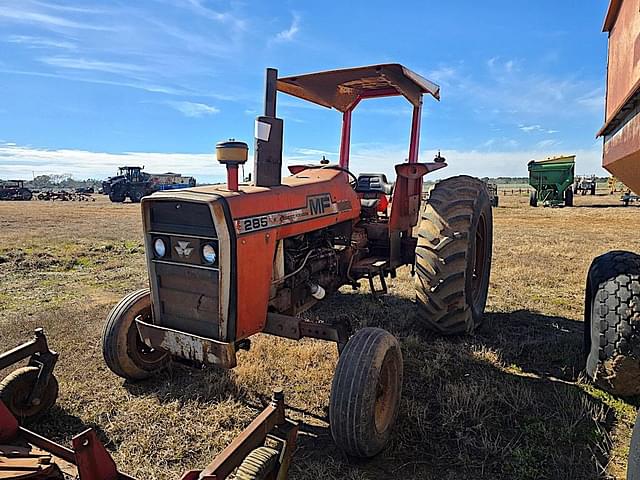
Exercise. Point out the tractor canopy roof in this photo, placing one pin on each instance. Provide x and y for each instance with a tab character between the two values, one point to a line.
342	89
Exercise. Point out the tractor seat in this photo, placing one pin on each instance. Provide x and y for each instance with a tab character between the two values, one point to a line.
374	183
373	189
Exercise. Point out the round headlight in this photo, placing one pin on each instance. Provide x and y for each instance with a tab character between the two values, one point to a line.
159	247
209	253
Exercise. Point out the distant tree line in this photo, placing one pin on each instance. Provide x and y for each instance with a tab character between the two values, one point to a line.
63	181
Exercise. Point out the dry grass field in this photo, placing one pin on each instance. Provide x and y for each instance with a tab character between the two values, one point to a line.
509	402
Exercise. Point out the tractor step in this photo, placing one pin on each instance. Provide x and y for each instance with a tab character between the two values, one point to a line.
370	268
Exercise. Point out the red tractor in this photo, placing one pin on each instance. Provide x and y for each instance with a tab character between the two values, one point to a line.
228	261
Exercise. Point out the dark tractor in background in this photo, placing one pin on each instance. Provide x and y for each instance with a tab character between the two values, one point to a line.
14	190
132	182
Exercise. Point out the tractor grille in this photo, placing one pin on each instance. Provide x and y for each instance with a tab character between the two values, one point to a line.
187	287
182	218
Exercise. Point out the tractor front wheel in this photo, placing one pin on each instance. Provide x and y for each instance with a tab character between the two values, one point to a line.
117	197
453	256
136	196
365	394
124	351
16	388
611	322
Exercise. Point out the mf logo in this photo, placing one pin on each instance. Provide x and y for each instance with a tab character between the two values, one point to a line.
183	249
318	204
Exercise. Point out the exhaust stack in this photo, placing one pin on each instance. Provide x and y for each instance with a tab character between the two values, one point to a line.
232	154
267	166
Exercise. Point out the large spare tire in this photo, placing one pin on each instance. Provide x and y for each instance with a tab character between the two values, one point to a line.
453	256
612	322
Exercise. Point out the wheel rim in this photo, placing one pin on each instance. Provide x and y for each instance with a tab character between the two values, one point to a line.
18	401
479	261
142	355
386	393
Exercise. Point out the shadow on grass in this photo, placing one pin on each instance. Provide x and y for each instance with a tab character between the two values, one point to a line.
607	205
499	404
184	384
483	406
60	426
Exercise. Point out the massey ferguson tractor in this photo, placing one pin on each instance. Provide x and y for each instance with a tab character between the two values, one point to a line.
228	261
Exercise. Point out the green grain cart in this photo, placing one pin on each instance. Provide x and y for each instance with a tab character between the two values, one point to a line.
552	180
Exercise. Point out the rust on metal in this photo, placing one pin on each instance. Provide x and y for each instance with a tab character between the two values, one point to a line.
292	327
340	89
188	346
621	131
271	419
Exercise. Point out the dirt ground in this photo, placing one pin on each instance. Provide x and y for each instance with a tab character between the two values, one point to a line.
508	402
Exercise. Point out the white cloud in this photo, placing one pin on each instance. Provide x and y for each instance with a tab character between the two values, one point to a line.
193	109
24	14
476	162
442	75
593	100
74	63
500	66
536	129
530	128
23	161
550	142
289	34
41	42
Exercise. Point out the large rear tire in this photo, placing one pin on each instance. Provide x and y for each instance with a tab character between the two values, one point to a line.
365	394
453	256
612	322
533	198
25	194
124	351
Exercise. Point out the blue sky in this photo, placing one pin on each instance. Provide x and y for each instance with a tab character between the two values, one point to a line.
89	85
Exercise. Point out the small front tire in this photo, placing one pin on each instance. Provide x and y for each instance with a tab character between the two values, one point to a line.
16	388
260	464
124	352
365	394
136	196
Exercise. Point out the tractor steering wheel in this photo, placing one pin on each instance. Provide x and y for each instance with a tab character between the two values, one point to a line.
353	182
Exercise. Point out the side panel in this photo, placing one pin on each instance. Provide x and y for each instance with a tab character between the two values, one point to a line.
624	56
622	153
255	263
